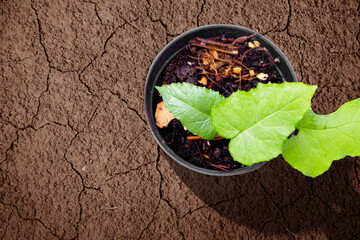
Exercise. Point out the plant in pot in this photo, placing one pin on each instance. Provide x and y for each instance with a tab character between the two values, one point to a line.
233	111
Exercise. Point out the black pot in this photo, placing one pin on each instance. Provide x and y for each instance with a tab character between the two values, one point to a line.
169	52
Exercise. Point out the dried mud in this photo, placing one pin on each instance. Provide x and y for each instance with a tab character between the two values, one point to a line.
77	160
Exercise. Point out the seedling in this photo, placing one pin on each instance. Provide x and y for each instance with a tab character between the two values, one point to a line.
259	123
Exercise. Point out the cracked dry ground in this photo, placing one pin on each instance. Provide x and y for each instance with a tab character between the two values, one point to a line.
77	160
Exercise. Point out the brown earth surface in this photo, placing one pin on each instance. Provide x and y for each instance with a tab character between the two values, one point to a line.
77	160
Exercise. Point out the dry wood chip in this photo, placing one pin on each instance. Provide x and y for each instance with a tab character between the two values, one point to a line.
251	45
237	69
262	76
203	81
214	54
256	43
206	61
162	115
206	156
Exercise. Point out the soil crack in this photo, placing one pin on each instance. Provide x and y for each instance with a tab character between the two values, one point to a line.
17	60
161	178
39	221
126	103
286	25
271	198
301	64
327	205
134	110
201	11
40	35
294	236
11	147
47	59
356	172
161	199
42	41
97	14
288	18
128	171
208	206
40	30
358	34
18	129
159	21
137	137
162	195
41	94
83	83
12	124
151	221
281	209
7	225
160	192
29	219
84	187
103	52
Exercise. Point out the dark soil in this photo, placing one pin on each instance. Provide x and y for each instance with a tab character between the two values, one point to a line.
192	64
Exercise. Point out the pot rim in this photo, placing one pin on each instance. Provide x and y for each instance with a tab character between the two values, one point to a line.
162	61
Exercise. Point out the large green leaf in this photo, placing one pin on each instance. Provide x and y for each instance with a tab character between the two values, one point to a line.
192	105
259	121
323	139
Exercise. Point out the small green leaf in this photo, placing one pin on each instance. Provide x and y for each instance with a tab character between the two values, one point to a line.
192	105
259	121
324	139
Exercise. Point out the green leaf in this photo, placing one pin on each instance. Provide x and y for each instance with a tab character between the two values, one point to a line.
324	139
259	121
192	105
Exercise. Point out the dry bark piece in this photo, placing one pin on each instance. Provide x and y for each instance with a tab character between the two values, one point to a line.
219	48
162	115
242	39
